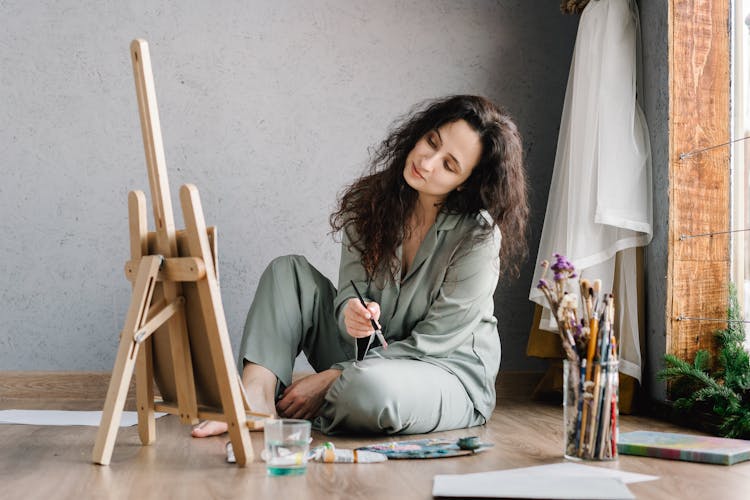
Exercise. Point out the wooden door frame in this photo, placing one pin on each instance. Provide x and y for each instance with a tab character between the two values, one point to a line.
698	268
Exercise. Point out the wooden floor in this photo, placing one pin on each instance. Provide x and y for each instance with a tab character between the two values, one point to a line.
54	462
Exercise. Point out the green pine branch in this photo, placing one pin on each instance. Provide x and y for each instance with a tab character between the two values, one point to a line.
725	388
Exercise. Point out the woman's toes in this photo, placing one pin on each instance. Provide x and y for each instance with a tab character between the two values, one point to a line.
209	428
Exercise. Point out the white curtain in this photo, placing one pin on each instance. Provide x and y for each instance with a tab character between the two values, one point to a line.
600	197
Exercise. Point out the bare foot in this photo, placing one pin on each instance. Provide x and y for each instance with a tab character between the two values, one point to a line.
209	428
260	384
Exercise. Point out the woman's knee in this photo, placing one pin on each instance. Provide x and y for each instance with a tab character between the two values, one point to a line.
283	270
370	398
286	263
372	377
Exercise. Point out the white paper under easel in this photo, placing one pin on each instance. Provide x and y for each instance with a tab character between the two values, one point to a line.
62	417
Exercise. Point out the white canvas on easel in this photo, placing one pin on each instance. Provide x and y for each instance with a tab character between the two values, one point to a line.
175	332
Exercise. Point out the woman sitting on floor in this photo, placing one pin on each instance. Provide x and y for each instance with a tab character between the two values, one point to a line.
421	241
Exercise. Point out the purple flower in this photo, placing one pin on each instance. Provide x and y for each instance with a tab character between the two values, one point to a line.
543	284
562	264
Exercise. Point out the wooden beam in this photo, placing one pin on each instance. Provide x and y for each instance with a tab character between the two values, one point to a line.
173	269
699	117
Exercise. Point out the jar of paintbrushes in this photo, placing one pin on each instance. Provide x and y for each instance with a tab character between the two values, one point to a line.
590	370
590	411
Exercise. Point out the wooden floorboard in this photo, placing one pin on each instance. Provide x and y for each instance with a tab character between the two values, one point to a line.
54	462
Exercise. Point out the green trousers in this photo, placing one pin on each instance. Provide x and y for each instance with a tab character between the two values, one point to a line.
292	312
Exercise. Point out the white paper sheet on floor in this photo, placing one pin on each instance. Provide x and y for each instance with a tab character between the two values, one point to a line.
561	480
64	417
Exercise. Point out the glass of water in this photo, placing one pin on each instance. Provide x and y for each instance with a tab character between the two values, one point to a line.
287	443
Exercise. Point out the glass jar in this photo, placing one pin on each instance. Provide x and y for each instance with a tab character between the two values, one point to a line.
590	410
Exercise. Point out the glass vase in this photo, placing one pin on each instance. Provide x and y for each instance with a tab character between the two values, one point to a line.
590	410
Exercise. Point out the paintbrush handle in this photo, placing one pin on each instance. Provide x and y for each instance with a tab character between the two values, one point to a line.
593	335
374	324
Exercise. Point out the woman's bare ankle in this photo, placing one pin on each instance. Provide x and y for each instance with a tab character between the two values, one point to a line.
262	403
260	387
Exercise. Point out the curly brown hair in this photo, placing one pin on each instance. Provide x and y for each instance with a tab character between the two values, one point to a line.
379	204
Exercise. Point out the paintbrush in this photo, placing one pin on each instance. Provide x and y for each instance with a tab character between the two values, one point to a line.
378	331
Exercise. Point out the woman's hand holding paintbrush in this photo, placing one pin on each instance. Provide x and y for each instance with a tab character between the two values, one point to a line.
361	318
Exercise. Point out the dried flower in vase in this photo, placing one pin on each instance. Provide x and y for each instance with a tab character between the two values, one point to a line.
564	304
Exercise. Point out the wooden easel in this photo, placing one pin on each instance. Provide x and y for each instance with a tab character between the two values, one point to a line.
175	332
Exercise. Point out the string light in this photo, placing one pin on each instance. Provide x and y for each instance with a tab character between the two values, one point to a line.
688	236
696	152
717	320
683	237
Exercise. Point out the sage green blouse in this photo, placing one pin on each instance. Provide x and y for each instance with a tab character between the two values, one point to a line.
441	312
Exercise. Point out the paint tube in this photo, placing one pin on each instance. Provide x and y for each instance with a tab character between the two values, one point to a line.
351	457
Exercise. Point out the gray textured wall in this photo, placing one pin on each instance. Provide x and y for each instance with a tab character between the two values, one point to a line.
654	24
269	107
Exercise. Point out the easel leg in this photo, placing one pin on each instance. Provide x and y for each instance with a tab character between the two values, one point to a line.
144	393
144	381
125	361
216	327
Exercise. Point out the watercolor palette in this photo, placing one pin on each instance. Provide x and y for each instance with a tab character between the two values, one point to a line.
425	448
